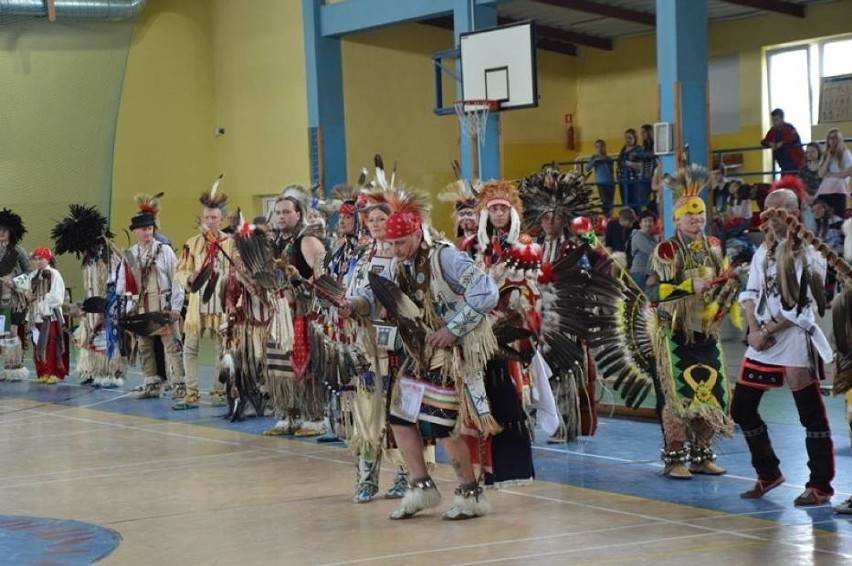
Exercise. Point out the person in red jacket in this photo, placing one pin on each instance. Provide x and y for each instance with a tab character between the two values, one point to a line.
785	143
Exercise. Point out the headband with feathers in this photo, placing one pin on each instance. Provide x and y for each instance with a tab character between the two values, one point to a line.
493	193
82	230
565	194
687	184
213	198
13	223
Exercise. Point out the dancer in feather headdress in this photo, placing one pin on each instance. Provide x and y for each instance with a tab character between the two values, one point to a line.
366	395
85	233
784	292
437	299
694	293
463	197
296	393
552	200
155	299
203	269
14	261
513	261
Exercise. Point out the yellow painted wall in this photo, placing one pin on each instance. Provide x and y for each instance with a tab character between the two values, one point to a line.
261	98
198	64
164	140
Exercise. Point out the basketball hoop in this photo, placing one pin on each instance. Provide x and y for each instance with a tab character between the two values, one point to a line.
473	123
473	116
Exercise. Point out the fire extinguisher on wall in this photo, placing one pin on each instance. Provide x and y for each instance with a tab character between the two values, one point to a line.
569	131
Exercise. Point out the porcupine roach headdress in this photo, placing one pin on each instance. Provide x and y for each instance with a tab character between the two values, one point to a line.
409	213
687	184
81	232
491	194
214	198
565	194
13	223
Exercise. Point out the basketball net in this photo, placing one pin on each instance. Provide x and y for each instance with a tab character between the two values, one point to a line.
473	123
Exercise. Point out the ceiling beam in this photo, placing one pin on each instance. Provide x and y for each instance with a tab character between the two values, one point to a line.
564	35
786	8
546	43
635	16
556	46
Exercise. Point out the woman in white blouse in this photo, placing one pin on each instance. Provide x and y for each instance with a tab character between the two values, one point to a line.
835	170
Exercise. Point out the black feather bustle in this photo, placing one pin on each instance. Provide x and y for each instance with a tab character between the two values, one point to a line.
82	230
13	223
565	194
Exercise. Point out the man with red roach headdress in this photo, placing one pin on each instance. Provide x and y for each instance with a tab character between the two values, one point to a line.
440	305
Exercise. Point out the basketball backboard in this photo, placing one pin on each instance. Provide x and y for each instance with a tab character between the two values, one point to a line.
499	64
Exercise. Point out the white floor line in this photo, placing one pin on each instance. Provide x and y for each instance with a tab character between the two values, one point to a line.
492	543
348	462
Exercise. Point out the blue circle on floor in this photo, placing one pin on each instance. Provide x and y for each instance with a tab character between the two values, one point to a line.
38	540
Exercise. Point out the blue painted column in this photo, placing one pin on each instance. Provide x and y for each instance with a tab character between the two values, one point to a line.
682	76
324	77
469	16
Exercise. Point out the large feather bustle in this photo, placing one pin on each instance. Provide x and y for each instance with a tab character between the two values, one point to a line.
82	230
149	204
258	258
586	301
566	194
13	223
214	198
687	182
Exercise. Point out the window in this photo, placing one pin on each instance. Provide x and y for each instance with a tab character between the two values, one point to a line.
789	88
795	74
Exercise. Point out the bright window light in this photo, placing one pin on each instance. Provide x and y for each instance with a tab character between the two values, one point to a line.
789	88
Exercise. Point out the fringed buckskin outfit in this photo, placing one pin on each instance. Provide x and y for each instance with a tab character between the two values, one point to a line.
203	269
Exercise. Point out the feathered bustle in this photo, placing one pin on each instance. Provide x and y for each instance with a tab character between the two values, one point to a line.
82	230
565	194
13	223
